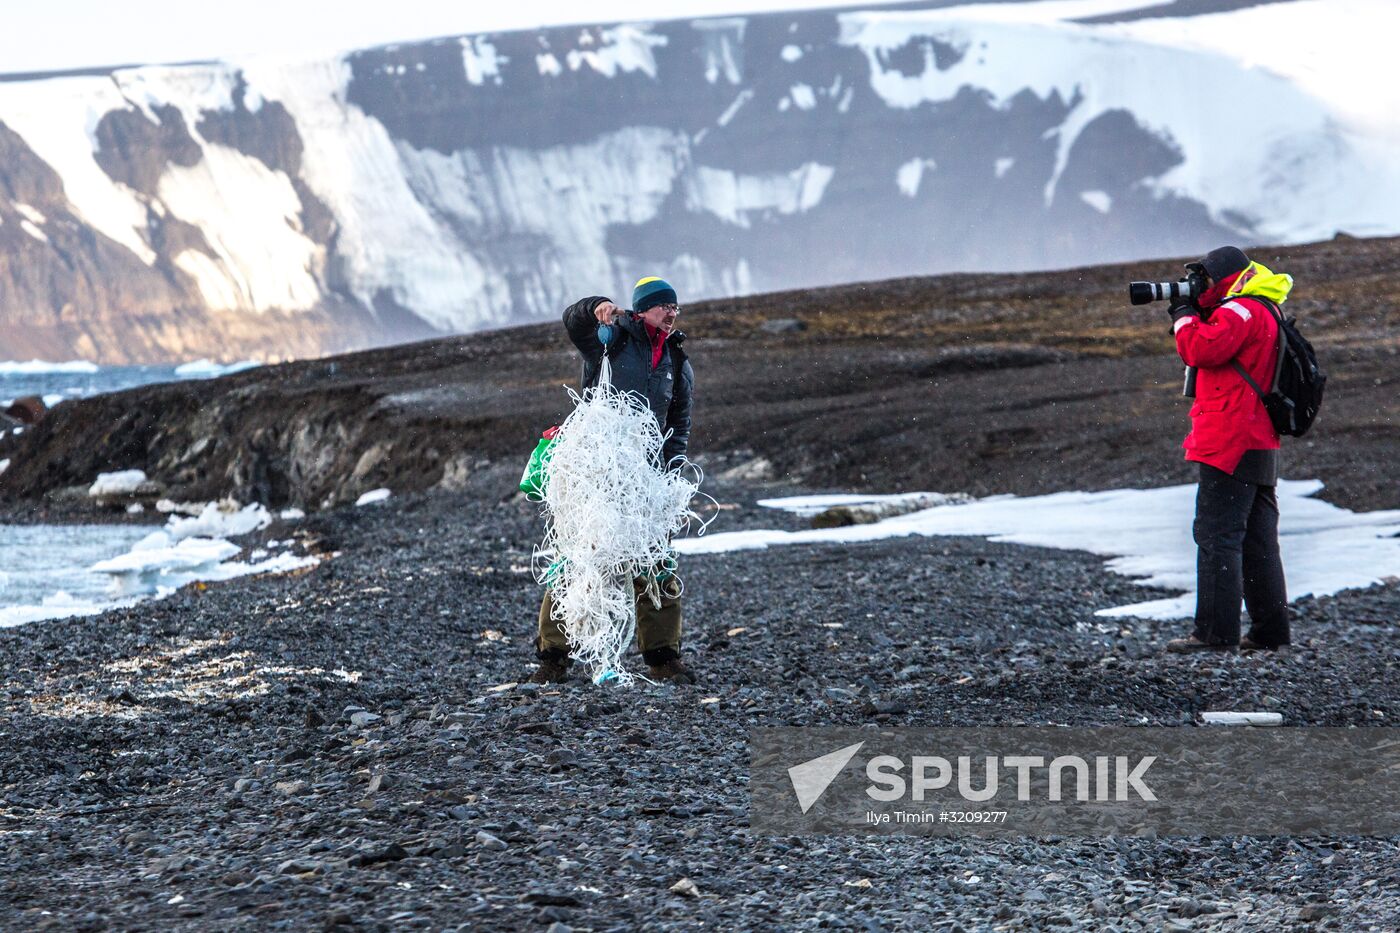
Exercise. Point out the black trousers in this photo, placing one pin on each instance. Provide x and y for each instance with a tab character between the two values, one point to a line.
1237	555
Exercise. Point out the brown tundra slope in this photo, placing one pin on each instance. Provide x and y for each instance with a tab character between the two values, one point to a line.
985	384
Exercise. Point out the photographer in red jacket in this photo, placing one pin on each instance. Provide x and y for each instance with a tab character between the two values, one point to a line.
1230	328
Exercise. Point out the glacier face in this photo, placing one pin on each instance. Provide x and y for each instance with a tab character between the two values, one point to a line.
275	209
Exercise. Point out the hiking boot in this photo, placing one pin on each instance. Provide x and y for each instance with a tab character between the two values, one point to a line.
671	671
553	669
1192	645
1249	644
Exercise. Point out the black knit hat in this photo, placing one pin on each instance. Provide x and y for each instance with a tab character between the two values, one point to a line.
1224	262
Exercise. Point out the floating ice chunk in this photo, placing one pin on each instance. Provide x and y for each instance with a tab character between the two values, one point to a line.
40	367
206	369
803	96
118	483
373	496
1003	165
791	53
218	520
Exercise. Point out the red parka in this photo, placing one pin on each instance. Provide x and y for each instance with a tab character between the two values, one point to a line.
1228	417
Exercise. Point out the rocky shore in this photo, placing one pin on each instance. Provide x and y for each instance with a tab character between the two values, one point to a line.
349	747
968	383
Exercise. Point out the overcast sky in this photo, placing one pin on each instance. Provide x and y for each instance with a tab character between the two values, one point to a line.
62	34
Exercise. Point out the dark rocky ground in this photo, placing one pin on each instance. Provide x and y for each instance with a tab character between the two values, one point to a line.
194	762
199	762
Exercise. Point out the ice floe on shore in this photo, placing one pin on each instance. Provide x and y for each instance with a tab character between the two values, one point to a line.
189	548
1146	533
194	548
117	483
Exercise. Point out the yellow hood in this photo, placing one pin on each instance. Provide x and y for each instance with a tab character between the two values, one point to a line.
1258	280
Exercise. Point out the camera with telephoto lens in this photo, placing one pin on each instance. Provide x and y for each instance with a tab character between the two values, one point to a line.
1188	289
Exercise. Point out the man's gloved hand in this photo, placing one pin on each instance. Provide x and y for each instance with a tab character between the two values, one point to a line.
1182	307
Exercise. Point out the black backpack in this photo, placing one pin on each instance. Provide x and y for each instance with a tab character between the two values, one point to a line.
1296	394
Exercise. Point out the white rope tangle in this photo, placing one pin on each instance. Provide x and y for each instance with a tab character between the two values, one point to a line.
611	509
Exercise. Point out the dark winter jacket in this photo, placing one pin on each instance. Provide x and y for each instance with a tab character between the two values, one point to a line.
667	387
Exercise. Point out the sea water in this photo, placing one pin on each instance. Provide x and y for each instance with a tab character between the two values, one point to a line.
44	569
55	382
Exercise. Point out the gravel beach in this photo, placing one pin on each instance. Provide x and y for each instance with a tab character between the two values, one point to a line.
344	748
349	746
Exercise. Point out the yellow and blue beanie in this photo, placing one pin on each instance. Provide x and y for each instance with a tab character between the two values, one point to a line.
650	292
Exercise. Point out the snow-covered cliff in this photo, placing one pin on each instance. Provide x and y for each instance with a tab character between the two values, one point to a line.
277	209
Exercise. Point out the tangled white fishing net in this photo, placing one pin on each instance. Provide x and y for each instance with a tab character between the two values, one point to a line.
611	510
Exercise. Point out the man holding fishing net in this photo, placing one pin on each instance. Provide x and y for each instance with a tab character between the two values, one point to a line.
639	352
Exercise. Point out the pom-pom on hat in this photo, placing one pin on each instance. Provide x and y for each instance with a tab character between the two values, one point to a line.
650	292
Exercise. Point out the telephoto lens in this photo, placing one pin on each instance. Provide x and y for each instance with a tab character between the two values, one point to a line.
1140	293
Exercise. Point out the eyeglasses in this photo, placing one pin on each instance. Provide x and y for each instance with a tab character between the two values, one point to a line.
670	309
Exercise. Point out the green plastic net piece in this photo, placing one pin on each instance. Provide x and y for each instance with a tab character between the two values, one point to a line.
532	480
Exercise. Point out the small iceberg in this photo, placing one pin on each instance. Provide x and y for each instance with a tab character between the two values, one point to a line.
208	369
41	367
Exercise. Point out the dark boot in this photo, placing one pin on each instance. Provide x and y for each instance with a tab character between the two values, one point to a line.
1193	645
1249	644
554	667
664	665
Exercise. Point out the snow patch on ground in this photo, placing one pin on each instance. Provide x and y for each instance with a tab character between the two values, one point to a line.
911	174
803	96
624	48
1146	533
251	219
57	118
1100	201
388	239
373	496
481	60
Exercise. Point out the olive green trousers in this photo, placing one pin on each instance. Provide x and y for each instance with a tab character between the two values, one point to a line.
656	628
